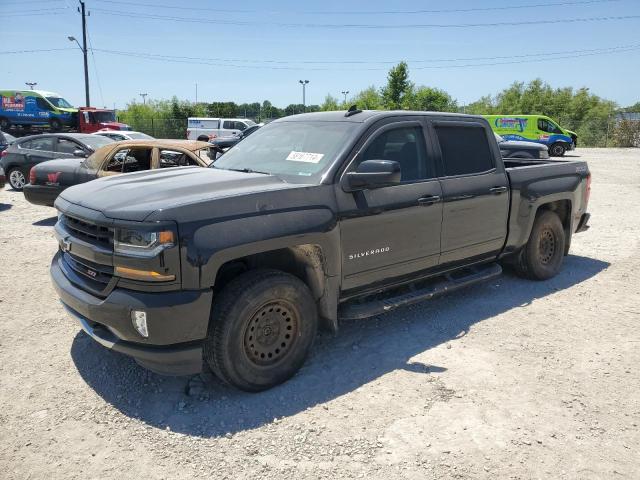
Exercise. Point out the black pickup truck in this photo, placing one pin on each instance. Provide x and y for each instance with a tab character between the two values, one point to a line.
314	218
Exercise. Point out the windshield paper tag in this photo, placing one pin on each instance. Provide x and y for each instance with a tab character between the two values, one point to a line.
306	157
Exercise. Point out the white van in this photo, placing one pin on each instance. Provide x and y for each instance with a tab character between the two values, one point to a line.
206	129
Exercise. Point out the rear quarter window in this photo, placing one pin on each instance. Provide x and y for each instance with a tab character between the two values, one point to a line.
465	150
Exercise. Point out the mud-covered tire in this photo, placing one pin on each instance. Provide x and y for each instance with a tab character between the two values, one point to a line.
542	256
261	329
557	149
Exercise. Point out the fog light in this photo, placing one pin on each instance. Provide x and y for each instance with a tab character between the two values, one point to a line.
139	320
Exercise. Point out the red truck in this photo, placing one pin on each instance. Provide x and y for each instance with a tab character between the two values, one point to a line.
91	119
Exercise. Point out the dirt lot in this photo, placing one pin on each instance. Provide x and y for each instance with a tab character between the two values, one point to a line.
512	379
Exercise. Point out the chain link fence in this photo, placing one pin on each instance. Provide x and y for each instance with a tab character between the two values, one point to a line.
621	130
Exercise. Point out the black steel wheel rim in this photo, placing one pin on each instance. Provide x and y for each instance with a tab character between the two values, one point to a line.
546	246
271	333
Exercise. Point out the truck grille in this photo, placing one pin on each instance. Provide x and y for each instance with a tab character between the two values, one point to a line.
89	232
92	271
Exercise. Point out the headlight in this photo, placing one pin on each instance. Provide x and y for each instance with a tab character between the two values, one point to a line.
139	243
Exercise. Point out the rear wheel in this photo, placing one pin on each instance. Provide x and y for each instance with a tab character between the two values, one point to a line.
262	326
542	256
4	124
16	177
557	149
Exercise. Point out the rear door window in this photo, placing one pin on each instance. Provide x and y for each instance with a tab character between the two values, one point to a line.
173	158
228	125
44	144
465	149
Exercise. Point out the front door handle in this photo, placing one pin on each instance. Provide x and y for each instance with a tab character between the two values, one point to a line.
498	190
430	200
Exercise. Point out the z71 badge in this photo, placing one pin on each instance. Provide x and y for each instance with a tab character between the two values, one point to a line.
367	253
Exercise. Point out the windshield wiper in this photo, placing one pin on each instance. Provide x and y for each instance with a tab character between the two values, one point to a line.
244	170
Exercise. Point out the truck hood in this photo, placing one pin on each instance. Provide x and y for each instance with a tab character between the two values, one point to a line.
135	196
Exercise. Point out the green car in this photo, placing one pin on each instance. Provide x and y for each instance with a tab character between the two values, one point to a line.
35	107
534	128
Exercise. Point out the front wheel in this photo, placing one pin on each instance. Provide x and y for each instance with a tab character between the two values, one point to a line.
16	177
542	256
55	124
557	150
261	329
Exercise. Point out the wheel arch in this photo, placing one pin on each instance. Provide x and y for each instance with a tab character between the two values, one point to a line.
304	261
563	209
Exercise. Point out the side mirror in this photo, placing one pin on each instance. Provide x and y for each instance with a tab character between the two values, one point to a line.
80	153
374	174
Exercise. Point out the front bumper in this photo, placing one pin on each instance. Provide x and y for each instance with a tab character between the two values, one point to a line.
177	323
41	194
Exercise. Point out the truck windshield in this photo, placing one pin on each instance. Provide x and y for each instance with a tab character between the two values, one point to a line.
103	117
59	102
294	149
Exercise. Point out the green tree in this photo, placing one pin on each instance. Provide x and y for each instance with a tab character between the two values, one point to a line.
398	85
368	99
429	99
330	104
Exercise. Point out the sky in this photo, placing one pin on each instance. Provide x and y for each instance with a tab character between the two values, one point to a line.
255	50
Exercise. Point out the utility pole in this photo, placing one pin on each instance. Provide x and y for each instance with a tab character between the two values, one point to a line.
144	97
31	84
196	93
84	53
345	93
304	94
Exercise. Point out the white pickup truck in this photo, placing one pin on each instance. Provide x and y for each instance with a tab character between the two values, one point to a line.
206	129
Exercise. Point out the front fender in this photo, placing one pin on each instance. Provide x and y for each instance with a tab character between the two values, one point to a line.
213	245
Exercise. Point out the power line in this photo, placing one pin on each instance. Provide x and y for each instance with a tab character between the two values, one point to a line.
22	2
364	62
366	26
371	12
11	52
32	14
548	57
25	12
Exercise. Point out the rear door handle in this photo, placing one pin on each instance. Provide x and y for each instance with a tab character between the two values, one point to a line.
430	200
498	190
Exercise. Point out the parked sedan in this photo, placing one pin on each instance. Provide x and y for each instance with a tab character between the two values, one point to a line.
26	152
519	149
6	140
48	179
120	135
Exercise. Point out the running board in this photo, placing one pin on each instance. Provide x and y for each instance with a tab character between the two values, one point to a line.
376	304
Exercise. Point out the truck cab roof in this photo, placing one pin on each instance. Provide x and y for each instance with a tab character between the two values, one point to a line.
368	116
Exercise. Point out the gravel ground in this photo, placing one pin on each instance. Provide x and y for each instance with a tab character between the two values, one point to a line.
510	379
